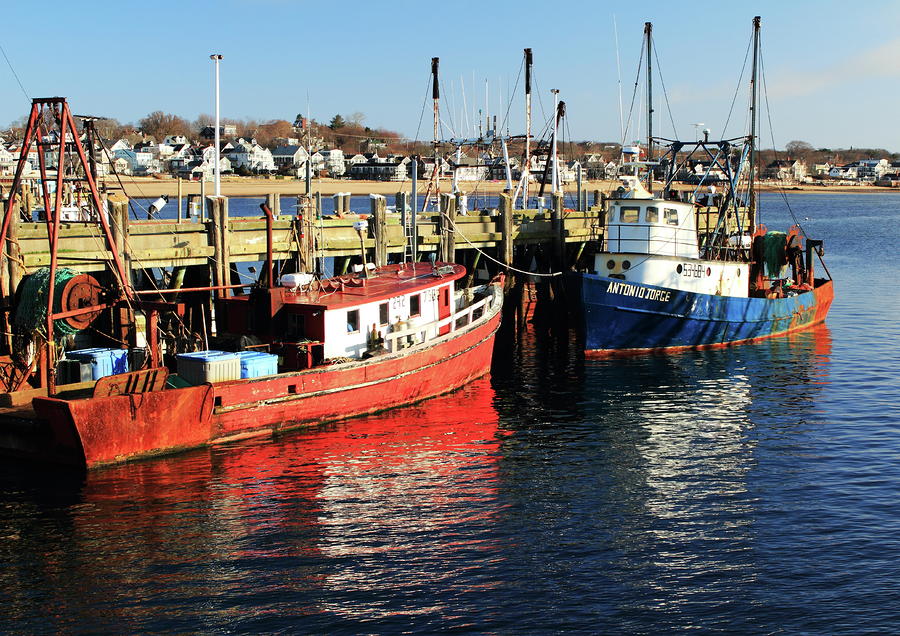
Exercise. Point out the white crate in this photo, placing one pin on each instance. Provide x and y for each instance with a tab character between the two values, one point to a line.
209	366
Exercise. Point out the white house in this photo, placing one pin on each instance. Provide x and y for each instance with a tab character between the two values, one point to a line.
290	156
252	156
334	161
139	162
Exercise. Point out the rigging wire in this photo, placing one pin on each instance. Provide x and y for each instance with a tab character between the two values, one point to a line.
16	75
781	190
637	80
737	89
665	92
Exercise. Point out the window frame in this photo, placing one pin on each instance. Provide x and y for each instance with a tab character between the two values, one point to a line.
629	209
355	314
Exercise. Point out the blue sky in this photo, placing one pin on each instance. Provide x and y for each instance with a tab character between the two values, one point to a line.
832	68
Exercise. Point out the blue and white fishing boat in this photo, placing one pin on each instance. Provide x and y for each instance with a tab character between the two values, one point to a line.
692	269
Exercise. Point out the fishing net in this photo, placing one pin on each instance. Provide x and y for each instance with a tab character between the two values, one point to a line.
774	254
31	312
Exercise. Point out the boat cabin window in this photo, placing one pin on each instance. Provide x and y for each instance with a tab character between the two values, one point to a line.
671	216
353	320
629	214
383	313
652	215
415	307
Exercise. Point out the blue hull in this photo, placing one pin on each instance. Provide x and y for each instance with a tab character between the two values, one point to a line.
621	316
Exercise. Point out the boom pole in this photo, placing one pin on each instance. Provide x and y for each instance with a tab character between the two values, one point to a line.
648	32
754	89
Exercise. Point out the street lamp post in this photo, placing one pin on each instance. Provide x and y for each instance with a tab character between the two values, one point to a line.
216	57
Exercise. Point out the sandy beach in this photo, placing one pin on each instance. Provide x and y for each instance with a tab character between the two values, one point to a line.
257	186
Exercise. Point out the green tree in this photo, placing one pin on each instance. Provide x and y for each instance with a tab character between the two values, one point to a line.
337	122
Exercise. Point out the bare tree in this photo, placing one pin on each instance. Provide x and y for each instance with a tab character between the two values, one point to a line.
159	124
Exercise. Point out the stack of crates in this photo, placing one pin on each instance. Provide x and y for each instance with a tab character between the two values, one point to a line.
201	367
255	364
101	362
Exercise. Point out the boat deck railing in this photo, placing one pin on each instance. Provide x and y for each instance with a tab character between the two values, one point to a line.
404	338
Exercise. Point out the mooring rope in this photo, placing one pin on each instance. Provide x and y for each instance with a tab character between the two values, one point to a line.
455	229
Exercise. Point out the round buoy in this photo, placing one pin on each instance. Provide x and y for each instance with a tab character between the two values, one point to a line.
78	292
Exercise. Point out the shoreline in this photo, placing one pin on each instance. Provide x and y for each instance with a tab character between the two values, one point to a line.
150	187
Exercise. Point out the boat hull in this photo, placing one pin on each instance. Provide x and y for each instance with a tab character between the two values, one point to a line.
625	317
108	430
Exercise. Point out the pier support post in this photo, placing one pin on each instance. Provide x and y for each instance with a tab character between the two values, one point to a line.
378	224
506	229
447	248
274	203
597	197
401	202
559	239
123	328
579	191
318	205
219	234
180	208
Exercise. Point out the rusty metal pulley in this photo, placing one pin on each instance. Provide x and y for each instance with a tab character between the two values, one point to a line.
78	292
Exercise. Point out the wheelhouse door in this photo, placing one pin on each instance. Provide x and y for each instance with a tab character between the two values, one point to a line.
444	307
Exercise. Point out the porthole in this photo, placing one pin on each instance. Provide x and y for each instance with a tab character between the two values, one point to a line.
610	265
626	265
679	269
708	271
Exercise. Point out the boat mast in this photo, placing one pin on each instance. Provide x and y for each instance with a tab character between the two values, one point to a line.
554	176
648	32
436	97
754	89
216	57
526	170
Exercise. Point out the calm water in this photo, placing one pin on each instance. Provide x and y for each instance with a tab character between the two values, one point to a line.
747	490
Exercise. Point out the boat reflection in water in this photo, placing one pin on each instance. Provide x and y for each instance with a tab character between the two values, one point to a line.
374	508
666	477
639	494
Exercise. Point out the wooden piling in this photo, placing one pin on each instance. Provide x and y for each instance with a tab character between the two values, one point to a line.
559	237
506	229
16	265
447	248
180	209
378	224
218	228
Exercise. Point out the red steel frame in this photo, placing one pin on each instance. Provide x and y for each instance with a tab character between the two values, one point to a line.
61	110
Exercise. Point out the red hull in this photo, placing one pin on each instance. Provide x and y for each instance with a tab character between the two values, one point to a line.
119	428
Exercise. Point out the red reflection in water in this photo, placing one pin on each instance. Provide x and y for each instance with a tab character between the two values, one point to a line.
412	464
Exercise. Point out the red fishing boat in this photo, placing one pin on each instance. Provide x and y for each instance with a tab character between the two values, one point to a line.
302	352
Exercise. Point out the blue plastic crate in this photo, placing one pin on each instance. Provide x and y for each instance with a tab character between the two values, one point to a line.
255	364
103	361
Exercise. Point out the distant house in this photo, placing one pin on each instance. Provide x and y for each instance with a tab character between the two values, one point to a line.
377	169
7	161
871	169
121	144
785	170
209	132
286	141
139	162
250	155
469	169
334	161
290	156
848	171
175	140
